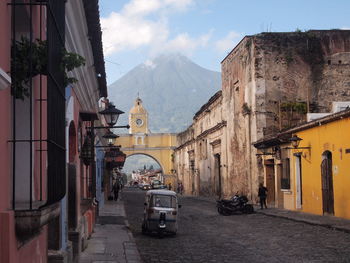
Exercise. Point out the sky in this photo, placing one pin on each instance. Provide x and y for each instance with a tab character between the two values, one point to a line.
136	31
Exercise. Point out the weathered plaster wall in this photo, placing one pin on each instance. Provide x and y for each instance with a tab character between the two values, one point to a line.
267	70
199	143
243	96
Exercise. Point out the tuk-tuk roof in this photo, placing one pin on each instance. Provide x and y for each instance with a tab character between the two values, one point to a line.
160	192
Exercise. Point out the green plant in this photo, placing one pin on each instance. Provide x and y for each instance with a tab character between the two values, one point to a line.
29	59
69	62
299	107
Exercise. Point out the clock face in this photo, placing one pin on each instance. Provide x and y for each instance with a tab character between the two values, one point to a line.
139	122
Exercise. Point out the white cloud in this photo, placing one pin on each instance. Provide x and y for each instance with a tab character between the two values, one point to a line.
121	32
141	7
345	28
144	23
228	42
182	43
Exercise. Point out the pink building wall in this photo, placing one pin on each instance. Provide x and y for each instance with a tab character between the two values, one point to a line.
6	218
82	173
5	109
11	251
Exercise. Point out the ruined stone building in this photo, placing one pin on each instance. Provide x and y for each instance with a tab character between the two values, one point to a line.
270	81
200	156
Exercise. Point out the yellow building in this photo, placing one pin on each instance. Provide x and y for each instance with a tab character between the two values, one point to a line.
159	146
318	168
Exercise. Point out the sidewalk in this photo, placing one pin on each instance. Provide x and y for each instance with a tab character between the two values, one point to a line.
325	221
111	241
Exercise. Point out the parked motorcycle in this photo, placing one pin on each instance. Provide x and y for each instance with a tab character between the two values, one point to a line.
238	203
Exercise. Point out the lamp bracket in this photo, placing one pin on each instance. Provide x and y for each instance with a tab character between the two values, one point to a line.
296	148
109	127
266	153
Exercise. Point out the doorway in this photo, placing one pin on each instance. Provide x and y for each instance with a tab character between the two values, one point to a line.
270	181
72	178
327	183
217	176
298	181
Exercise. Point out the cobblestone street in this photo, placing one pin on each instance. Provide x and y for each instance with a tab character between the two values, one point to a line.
206	236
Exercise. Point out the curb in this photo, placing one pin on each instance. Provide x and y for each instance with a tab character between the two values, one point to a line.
131	252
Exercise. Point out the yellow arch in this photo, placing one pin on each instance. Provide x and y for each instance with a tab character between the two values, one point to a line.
159	146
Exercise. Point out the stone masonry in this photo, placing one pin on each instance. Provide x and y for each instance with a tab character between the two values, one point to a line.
269	82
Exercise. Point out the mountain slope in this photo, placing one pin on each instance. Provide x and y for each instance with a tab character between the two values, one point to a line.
171	87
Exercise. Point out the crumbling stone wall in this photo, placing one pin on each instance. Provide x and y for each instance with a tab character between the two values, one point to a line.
269	82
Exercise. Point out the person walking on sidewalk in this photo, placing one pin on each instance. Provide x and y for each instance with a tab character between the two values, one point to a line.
262	195
180	188
115	190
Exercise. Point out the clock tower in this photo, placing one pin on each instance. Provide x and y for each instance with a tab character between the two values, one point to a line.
138	118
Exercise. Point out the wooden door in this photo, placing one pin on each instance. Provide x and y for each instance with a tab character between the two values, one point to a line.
217	176
72	198
327	184
270	183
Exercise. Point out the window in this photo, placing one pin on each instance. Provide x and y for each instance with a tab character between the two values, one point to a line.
163	201
285	178
38	152
192	165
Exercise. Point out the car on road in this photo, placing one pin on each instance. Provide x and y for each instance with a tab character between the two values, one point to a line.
146	187
156	184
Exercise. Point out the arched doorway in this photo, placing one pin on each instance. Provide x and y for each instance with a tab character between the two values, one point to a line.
327	183
72	178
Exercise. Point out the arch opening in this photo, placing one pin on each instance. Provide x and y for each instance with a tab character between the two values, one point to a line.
142	168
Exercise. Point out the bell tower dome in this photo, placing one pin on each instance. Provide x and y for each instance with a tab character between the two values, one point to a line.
138	118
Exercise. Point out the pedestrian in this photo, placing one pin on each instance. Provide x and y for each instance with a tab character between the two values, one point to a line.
262	195
115	190
180	188
169	186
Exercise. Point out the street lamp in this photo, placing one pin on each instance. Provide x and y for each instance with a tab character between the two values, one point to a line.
295	140
87	154
111	137
111	114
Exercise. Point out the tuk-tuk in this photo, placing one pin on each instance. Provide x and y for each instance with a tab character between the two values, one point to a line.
160	212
